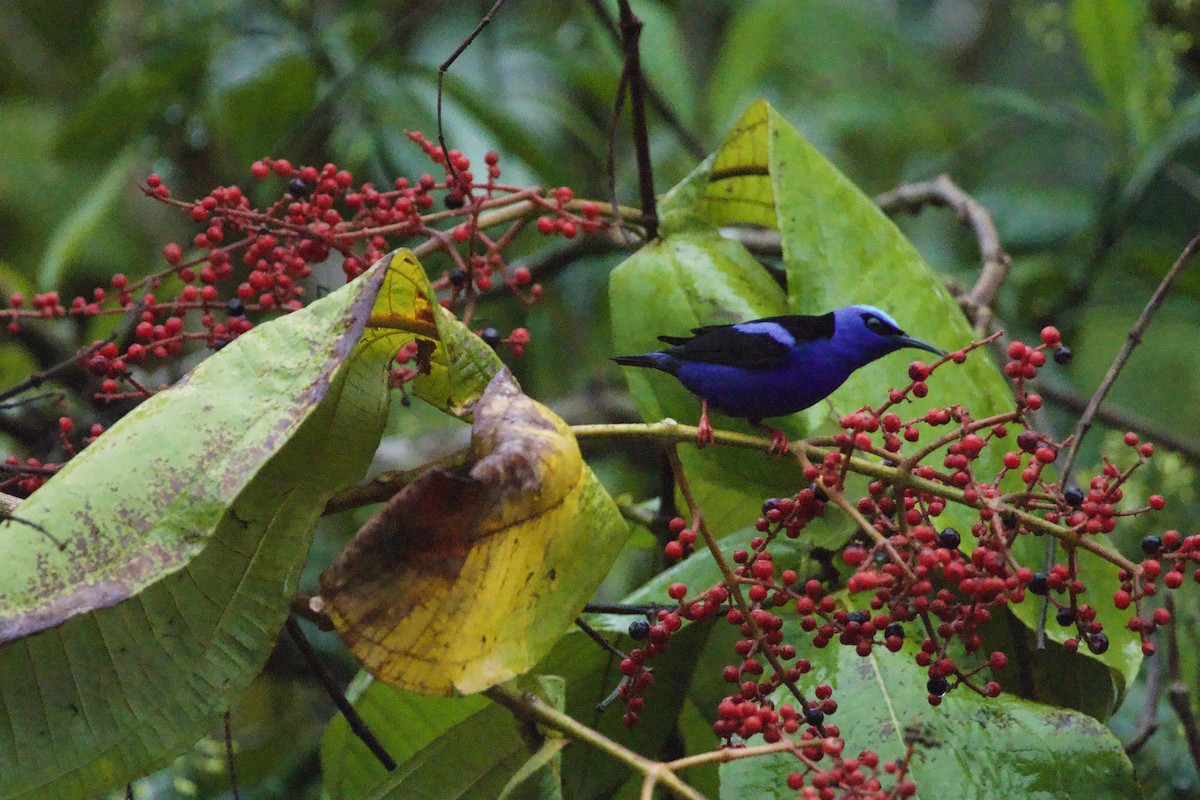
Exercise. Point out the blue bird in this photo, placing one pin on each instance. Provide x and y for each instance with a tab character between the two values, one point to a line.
775	366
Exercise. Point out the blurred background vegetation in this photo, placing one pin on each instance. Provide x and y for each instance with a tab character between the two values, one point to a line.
1076	124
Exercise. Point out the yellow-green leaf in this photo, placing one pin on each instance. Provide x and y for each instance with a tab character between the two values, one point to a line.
467	578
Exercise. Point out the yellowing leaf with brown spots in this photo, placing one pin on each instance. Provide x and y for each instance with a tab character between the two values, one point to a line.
467	578
157	566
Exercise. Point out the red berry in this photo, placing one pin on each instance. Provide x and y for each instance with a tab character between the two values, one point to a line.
918	371
259	169
1051	336
173	253
677	591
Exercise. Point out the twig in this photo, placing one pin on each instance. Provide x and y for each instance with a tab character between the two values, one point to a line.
1133	339
610	148
942	191
383	486
357	725
668	430
527	706
443	68
631	31
641	609
52	396
233	778
26	469
1178	694
1124	421
728	576
595	636
1147	720
129	791
38	378
689	140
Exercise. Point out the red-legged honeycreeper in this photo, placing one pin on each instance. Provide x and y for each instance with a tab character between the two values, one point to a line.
775	366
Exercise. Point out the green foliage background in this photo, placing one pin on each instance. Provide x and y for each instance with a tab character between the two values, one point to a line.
1076	124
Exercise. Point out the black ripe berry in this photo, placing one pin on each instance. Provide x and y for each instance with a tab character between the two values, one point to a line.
1039	584
491	337
769	505
1065	616
858	616
235	307
949	539
814	717
1097	643
1063	355
1074	496
819	491
1151	545
895	629
455	200
459	277
937	686
1027	440
1009	518
639	629
298	188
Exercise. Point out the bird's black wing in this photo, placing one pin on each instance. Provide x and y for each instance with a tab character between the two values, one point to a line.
735	346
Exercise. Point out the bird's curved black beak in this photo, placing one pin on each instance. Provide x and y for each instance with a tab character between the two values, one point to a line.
910	341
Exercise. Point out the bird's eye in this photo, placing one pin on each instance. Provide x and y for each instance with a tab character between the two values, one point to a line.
874	324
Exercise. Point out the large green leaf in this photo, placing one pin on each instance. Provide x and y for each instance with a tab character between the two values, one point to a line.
970	746
426	735
1123	657
838	249
672	286
183	531
420	731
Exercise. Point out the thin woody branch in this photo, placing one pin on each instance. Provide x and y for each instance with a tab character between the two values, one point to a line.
1132	340
944	192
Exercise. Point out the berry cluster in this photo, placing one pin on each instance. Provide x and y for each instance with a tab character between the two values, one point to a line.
246	263
915	575
636	675
846	777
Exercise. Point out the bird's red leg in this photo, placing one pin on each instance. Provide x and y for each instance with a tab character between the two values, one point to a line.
779	440
704	431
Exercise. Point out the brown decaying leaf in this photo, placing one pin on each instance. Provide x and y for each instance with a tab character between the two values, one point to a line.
436	592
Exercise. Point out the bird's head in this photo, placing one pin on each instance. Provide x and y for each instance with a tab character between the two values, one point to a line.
867	333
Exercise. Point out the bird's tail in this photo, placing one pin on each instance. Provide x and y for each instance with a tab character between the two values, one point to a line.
661	361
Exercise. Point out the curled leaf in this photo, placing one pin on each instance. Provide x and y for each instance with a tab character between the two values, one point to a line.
466	578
